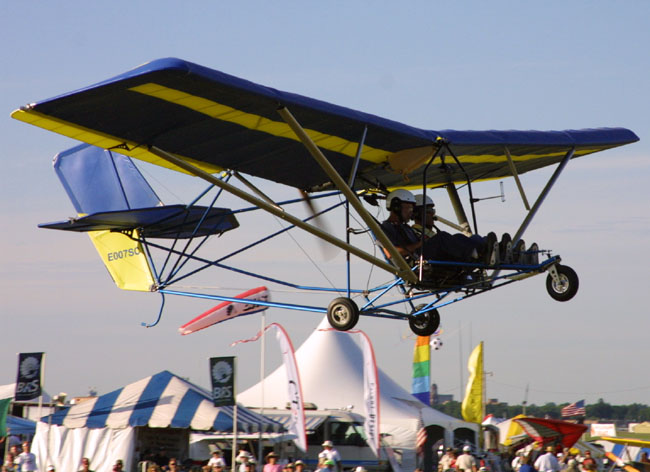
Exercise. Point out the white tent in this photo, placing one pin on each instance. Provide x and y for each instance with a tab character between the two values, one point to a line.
331	372
106	428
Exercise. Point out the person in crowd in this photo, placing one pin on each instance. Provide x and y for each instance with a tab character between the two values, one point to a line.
332	454
524	464
85	465
447	461
217	459
300	466
441	246
250	465
174	465
154	468
288	467
243	458
466	461
547	462
118	466
572	466
644	458
328	465
516	462
51	468
26	460
588	461
9	462
272	463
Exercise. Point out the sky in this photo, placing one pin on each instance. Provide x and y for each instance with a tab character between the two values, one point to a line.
434	65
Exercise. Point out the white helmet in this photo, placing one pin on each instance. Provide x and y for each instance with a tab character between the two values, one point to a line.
399	195
419	198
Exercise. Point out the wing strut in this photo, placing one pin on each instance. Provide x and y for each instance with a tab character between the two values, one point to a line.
403	269
279	212
542	196
515	174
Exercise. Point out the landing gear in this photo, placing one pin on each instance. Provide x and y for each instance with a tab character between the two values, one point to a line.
425	324
562	283
342	314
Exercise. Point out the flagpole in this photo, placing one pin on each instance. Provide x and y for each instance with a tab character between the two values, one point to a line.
460	360
40	398
260	462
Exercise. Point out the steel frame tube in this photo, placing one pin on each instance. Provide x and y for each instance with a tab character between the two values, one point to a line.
542	196
401	267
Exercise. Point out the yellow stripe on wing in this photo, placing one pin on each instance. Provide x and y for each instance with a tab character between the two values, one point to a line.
258	123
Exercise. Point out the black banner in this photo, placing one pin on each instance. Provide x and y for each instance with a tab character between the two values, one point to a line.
28	380
222	373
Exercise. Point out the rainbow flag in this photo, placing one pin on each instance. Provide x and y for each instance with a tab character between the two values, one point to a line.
421	369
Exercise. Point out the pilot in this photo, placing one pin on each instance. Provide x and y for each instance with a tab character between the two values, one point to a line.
441	246
427	210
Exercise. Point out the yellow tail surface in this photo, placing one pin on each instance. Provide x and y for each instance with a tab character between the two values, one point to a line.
125	260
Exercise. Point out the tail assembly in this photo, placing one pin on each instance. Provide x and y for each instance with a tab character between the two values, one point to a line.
98	180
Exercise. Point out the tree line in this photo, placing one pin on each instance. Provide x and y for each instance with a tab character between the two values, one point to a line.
599	411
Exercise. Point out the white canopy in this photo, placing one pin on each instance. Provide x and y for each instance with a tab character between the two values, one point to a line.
331	372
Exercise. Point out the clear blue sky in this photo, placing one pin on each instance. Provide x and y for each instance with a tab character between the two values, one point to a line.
435	65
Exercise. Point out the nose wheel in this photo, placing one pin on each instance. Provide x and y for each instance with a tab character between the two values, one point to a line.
562	282
342	314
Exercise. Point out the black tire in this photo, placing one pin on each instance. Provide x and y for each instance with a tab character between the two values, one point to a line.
342	314
566	288
425	324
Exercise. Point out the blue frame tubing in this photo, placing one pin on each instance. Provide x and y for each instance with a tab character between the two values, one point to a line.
369	308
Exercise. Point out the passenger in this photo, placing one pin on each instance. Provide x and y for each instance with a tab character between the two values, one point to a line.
442	246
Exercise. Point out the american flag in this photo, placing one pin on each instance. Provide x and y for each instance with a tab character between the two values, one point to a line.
575	409
421	437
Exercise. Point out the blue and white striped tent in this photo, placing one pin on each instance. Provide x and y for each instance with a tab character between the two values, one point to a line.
160	401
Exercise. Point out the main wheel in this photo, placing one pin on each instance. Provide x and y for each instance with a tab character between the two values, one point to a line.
566	287
425	324
342	314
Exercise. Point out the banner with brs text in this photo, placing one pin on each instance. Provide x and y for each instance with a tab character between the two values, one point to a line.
222	373
28	380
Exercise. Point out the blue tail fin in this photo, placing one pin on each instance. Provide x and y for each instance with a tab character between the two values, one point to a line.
98	180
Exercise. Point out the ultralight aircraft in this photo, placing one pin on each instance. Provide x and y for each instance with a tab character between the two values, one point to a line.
221	128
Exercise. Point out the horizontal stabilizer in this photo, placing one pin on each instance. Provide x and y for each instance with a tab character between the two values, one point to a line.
170	221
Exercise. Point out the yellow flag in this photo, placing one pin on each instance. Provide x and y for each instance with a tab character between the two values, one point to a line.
472	407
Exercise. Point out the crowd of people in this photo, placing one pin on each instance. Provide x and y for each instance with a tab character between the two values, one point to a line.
530	459
551	459
329	460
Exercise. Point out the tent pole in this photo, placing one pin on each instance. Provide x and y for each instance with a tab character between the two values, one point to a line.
234	440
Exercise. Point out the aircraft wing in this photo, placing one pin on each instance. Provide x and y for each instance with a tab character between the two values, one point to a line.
627	441
216	121
547	430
